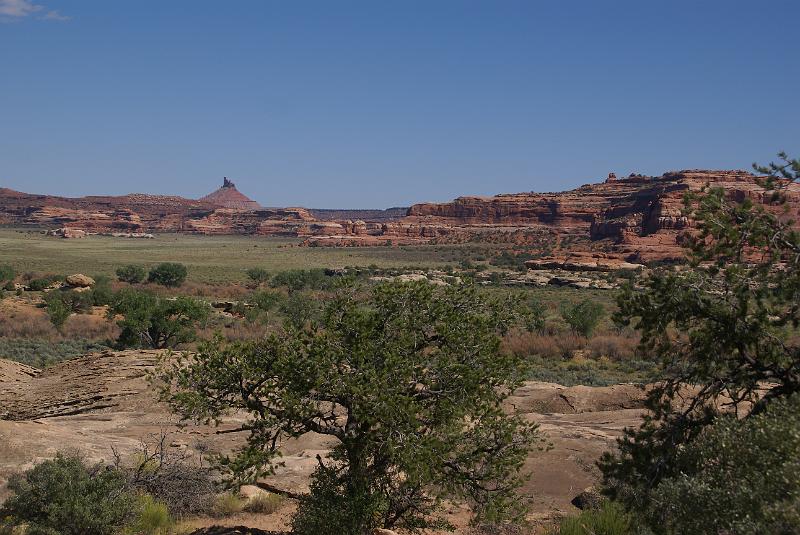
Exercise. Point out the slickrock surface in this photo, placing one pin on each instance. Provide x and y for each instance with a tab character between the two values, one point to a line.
97	401
13	372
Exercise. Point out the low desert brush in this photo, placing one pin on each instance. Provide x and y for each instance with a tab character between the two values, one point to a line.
227	504
264	503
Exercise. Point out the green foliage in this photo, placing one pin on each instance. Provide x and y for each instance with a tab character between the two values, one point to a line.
42	283
61	303
57	309
64	496
101	291
533	314
259	305
591	372
7	274
299	309
42	353
131	274
737	476
393	377
512	260
152	518
786	168
336	504
157	322
583	317
302	279
73	300
610	519
168	274
724	336
258	275
266	301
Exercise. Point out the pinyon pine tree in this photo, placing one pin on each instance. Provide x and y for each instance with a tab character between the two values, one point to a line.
726	336
410	382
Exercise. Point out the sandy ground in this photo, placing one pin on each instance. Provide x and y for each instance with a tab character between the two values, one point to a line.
103	400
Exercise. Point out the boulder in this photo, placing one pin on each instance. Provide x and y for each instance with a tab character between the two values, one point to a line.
589	498
79	280
66	232
251	491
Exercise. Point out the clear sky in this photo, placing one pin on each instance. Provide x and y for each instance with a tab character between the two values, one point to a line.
387	102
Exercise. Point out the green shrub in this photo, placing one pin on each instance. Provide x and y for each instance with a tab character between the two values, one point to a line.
168	274
37	285
533	315
131	274
7	274
610	519
57	311
227	504
42	353
583	317
258	275
266	301
60	304
300	279
101	291
738	476
511	260
156	322
65	496
299	308
152	518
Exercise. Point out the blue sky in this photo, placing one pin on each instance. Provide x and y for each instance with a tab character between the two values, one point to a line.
382	103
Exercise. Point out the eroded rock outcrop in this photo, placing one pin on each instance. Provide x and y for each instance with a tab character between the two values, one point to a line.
229	197
618	221
225	211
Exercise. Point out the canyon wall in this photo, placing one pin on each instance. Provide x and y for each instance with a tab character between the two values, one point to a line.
634	218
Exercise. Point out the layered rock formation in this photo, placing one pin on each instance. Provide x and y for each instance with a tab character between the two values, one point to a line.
138	214
229	197
633	219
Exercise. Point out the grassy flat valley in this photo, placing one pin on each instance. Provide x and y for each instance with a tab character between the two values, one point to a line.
209	258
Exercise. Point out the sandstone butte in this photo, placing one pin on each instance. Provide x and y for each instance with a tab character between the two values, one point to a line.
634	219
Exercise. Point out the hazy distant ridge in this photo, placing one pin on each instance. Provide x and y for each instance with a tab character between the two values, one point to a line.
332	214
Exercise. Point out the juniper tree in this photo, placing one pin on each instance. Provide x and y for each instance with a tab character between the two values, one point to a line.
156	322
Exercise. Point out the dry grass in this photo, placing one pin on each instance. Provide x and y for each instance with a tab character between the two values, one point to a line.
233	328
525	344
227	505
614	347
209	258
90	327
565	344
264	503
19	320
24	319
